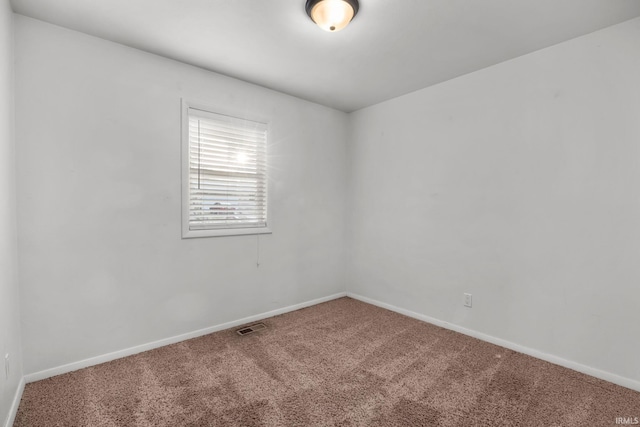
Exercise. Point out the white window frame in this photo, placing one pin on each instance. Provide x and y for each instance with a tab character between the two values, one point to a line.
218	232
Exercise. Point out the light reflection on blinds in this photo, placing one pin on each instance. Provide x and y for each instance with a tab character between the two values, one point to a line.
227	172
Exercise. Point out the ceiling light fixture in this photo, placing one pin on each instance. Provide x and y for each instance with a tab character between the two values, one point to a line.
332	15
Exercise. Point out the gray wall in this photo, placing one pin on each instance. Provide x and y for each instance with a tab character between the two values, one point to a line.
519	184
104	267
9	303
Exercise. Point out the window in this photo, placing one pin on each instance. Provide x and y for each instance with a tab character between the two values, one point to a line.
224	175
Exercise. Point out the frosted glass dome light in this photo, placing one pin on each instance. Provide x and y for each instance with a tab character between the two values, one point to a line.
332	15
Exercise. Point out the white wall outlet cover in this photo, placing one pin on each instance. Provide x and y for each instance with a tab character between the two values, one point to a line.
6	366
467	300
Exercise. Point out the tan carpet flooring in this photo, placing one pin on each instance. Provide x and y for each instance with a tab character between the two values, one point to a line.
341	363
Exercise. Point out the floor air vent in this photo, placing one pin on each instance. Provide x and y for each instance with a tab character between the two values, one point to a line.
251	329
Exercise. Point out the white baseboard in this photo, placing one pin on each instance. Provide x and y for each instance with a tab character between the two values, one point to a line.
13	411
603	375
74	366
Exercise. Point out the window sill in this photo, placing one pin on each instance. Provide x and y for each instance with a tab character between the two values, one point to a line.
194	234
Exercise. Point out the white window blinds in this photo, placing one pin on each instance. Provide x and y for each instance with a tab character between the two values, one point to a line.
227	172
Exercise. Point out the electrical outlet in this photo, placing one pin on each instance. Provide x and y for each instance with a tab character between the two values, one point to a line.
6	366
467	300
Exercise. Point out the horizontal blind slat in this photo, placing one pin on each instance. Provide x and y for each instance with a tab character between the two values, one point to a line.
227	143
224	135
225	179
201	162
247	128
224	151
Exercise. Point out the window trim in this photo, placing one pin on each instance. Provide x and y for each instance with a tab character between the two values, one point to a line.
184	166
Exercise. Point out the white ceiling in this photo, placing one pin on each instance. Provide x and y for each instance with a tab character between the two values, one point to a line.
392	47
